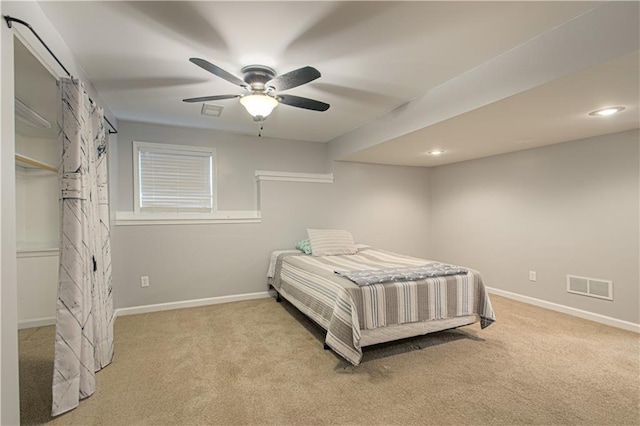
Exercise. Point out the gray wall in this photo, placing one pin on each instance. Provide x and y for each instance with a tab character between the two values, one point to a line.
239	156
568	208
385	206
563	209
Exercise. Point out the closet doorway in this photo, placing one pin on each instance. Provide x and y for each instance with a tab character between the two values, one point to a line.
38	156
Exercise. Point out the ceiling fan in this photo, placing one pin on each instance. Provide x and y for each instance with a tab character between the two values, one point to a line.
264	86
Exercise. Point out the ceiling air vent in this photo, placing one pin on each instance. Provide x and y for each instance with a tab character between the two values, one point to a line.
594	287
211	110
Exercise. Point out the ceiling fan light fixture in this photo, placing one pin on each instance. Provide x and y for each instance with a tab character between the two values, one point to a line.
259	105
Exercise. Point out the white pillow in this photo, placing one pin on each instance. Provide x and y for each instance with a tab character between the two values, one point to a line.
328	242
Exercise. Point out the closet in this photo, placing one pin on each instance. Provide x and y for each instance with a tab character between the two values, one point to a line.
38	153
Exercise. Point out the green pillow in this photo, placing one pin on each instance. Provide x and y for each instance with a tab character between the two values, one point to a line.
304	246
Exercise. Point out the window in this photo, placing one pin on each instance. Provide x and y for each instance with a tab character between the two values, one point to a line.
173	178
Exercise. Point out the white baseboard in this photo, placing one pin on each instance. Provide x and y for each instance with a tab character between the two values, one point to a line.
41	322
602	319
625	325
190	303
36	322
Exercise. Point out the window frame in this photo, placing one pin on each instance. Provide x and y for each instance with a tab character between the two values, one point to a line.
138	146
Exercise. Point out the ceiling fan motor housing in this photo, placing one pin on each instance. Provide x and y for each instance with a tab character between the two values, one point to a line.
256	76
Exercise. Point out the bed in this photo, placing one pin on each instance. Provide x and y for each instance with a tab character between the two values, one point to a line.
356	315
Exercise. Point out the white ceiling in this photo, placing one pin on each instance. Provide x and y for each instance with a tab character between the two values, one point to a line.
554	112
374	58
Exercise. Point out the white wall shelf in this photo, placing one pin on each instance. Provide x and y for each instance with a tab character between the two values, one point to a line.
31	163
294	176
33	252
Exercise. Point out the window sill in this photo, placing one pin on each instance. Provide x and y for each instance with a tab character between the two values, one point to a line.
221	217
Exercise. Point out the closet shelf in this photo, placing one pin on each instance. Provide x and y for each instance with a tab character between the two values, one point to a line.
27	162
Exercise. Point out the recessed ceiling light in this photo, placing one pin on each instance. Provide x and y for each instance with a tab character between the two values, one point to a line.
436	152
606	111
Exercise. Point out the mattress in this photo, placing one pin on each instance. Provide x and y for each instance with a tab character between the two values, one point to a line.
397	309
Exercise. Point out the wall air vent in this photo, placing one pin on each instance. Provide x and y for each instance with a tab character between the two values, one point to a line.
594	287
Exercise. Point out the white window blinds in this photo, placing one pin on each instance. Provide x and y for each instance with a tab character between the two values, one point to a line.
174	179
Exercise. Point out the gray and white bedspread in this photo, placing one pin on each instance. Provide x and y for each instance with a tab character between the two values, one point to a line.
344	308
406	273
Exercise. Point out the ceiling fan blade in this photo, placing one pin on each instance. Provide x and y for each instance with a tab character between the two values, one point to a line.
216	70
300	102
210	98
294	78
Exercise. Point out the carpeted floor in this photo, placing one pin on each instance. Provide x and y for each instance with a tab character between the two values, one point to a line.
260	362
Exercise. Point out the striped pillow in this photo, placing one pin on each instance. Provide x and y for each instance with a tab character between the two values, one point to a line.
328	242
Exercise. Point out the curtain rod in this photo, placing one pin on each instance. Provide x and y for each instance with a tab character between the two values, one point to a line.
10	20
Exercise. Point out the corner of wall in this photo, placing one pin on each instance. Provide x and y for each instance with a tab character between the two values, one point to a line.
9	391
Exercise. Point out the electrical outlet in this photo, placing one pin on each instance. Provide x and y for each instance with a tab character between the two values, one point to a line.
144	281
532	276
